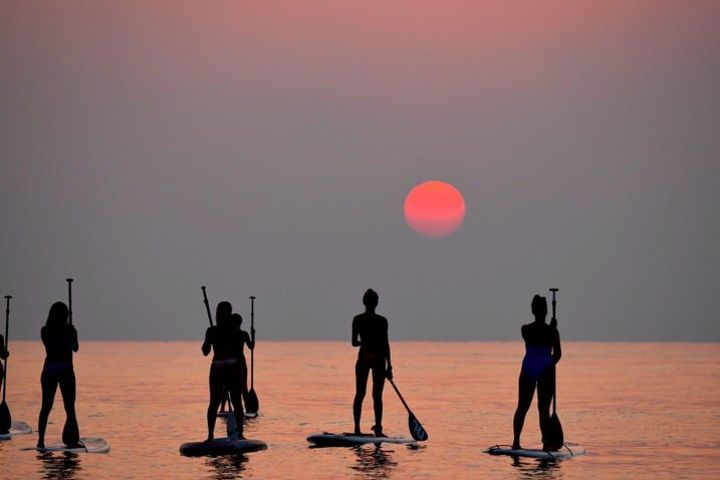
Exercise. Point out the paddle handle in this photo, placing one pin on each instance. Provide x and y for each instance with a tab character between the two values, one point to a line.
207	304
69	282
252	352
7	329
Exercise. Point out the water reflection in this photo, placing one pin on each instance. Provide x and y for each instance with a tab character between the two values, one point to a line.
62	465
373	462
227	466
527	468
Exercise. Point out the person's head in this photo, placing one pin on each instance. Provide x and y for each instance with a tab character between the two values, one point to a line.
223	312
58	315
236	320
370	299
539	307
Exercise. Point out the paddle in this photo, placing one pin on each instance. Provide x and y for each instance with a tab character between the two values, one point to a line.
252	404
416	429
554	437
5	419
71	432
207	305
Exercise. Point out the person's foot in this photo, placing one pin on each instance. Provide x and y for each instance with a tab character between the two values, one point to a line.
516	446
40	444
551	448
209	439
357	431
378	431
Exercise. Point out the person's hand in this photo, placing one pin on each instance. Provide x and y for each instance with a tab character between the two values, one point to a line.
553	322
252	331
389	373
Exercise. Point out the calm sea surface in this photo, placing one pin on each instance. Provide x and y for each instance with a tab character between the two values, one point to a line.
641	410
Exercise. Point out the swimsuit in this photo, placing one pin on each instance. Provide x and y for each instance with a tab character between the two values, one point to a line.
537	360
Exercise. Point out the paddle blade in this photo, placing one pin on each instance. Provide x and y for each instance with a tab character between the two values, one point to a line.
416	430
252	404
71	432
553	437
5	420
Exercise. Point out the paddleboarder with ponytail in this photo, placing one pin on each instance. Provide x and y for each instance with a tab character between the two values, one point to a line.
370	333
246	339
226	342
542	353
3	355
60	340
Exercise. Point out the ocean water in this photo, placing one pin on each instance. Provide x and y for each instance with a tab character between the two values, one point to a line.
642	410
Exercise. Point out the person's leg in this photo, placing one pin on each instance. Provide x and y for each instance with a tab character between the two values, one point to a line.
68	391
545	388
236	393
216	393
361	377
49	384
243	381
526	390
378	376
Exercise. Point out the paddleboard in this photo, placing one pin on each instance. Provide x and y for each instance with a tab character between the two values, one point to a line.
327	439
90	445
246	414
221	446
568	450
16	428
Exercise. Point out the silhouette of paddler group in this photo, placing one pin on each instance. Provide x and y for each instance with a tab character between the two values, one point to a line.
228	376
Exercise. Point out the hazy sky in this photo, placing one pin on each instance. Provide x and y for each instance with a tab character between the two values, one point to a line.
266	148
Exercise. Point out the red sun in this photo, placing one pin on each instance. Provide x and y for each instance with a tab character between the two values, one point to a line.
434	208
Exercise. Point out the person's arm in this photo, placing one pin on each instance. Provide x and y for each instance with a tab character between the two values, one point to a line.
389	371
73	339
250	339
207	343
355	334
557	351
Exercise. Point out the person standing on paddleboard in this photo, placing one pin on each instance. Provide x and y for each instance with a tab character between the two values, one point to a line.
370	333
60	340
249	340
542	353
226	342
3	355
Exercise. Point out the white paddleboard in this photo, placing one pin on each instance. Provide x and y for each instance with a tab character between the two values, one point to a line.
326	439
90	445
16	428
568	450
246	414
221	446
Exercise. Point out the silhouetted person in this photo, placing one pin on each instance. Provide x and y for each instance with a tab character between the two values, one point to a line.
249	340
370	333
60	340
542	352
3	355
226	368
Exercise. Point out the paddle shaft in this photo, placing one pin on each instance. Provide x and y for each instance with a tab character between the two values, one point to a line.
399	395
69	282
207	305
252	351
554	322
7	328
